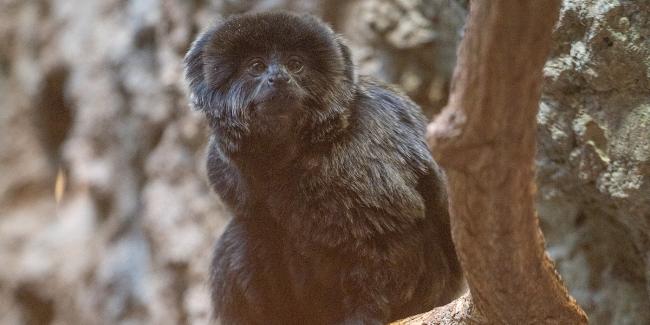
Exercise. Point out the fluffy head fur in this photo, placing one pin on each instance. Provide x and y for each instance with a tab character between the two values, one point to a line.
316	98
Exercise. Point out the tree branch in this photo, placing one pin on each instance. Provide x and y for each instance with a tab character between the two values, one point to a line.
485	140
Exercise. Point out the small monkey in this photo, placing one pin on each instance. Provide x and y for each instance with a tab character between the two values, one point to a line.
340	212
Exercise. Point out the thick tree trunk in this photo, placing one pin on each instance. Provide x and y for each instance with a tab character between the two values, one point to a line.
485	140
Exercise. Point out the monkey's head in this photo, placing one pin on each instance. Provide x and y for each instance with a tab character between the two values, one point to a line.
270	76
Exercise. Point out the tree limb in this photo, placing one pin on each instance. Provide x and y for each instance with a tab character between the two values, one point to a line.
485	140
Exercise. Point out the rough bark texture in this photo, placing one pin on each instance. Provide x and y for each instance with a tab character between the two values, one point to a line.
459	311
94	88
485	140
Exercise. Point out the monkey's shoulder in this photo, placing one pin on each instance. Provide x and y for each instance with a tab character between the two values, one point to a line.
395	108
387	128
373	173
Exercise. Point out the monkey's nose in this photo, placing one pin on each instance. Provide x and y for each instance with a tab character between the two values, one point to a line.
278	79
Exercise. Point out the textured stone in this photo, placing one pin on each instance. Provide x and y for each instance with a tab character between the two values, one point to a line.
593	166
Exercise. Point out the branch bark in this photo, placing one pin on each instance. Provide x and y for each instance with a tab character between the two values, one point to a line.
485	140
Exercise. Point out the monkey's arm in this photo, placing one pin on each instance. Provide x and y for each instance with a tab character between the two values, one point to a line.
413	270
226	179
448	275
249	286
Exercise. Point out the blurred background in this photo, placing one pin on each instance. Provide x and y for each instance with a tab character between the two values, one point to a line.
105	212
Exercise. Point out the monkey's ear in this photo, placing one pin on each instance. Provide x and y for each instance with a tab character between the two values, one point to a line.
350	71
194	71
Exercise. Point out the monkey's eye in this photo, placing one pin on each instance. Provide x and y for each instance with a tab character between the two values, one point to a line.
295	65
257	67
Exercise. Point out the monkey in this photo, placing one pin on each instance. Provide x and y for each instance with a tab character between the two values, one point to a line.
340	213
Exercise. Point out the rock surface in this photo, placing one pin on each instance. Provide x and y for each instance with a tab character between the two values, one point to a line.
105	213
594	157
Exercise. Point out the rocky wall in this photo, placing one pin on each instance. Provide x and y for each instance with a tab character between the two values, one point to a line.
594	157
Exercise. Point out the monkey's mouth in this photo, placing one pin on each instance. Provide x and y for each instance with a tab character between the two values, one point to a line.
273	117
277	98
277	104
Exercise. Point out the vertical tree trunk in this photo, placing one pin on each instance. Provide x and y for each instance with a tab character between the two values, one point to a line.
485	140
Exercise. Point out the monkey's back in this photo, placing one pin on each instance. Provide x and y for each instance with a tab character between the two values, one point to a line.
377	198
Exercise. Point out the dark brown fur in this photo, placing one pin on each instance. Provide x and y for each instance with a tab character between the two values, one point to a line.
340	213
